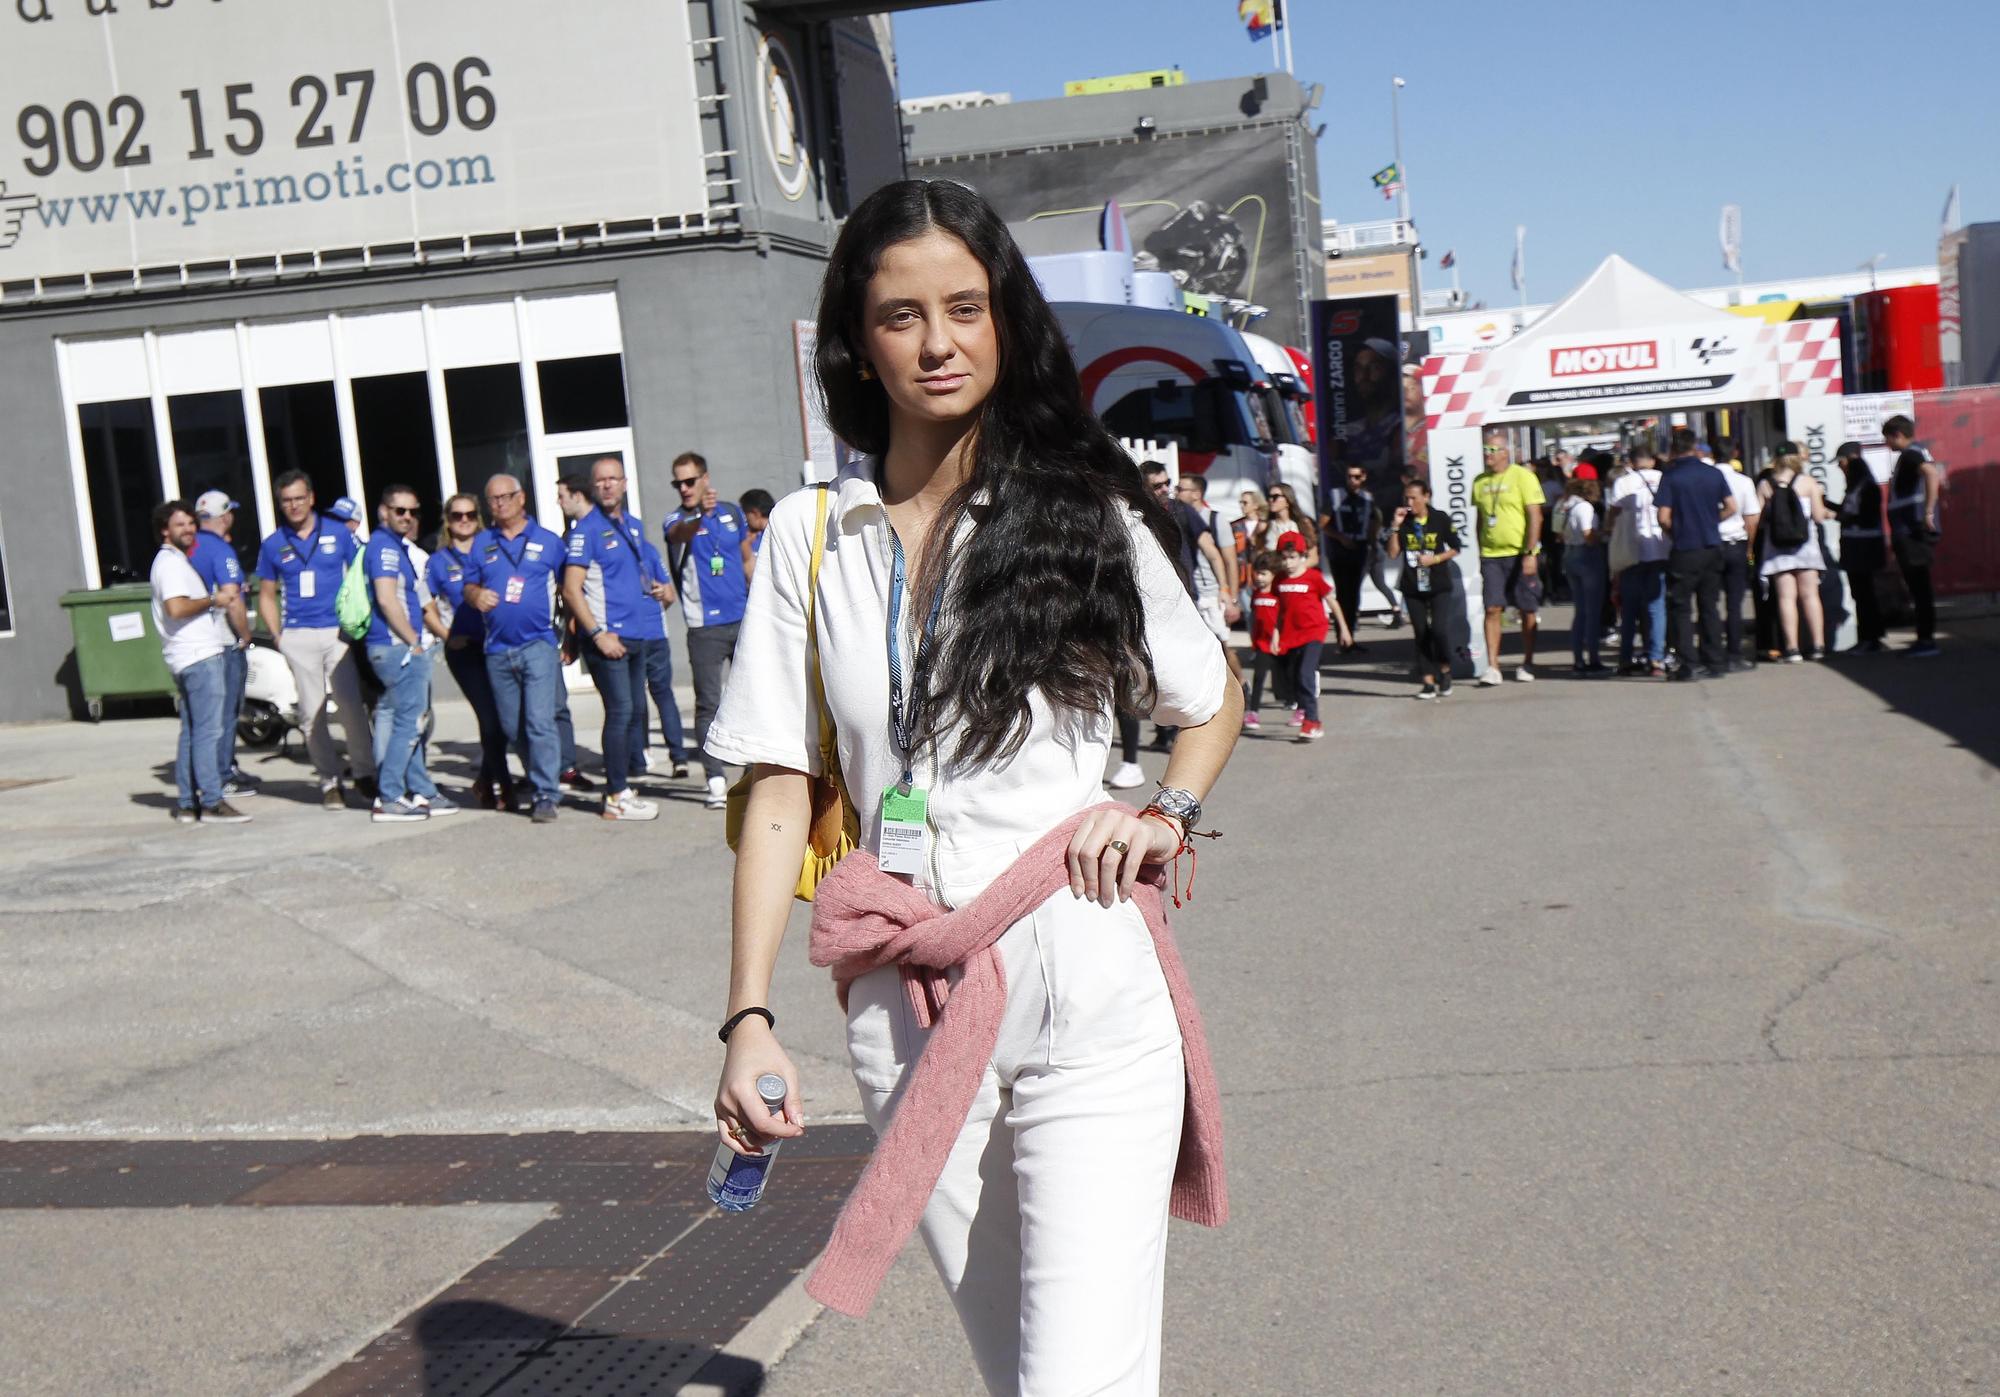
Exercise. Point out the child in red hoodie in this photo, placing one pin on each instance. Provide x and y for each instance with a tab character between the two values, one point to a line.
1263	635
1305	604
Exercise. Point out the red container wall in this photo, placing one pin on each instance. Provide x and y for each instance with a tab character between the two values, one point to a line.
1896	340
1961	427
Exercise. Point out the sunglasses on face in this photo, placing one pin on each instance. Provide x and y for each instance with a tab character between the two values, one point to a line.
463	514
687	484
404	508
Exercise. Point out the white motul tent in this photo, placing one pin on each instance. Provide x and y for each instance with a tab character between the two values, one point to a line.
1622	344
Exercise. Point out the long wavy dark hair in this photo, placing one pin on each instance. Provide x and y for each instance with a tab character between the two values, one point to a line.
1045	594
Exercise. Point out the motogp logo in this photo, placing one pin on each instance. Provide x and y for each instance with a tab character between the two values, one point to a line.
1709	348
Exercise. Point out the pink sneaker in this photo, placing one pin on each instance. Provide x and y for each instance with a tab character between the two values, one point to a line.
1298	716
1251	721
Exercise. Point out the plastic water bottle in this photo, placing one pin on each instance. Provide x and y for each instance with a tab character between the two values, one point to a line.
736	1181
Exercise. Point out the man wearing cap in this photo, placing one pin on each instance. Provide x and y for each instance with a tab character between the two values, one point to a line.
512	578
194	637
300	568
609	588
214	558
395	649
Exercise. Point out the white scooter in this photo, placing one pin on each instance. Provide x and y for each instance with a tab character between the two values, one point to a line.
271	699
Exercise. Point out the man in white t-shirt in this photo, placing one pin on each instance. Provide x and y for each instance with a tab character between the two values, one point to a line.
1640	543
1739	535
194	637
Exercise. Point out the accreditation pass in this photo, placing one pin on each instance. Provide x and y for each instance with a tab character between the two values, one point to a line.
905	830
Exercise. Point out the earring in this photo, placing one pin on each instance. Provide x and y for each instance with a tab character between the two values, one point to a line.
865	372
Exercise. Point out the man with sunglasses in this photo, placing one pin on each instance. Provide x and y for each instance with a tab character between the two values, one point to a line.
709	559
1509	502
404	791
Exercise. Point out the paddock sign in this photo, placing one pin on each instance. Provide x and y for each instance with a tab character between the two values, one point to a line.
138	133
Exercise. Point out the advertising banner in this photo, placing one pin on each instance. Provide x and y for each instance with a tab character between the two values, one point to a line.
1212	209
153	132
1358	392
1454	462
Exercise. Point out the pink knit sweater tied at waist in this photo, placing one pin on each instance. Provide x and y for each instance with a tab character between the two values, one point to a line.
864	919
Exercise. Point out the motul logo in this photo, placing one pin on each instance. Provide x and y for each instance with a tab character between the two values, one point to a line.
1605	358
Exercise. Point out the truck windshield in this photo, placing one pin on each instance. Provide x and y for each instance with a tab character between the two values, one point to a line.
1206	416
1276	410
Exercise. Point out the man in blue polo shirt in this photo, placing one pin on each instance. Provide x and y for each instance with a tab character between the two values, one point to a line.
215	560
710	561
395	646
1693	500
511	578
300	568
615	600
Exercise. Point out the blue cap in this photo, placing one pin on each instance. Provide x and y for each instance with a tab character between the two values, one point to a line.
345	509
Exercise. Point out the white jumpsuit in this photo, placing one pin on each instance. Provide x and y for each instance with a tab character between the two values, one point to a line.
1049	1223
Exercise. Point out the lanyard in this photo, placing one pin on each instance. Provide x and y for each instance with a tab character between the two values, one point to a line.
513	559
919	681
311	550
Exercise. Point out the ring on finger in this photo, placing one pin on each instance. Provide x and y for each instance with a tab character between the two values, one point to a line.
1121	846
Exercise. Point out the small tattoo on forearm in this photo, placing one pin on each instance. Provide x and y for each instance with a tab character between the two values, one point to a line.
777	828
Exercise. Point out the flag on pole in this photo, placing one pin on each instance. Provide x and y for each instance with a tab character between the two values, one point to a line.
1448	261
1519	274
1731	236
1259	16
1950	221
1388	179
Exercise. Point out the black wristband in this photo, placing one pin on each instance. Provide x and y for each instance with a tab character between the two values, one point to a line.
738	1017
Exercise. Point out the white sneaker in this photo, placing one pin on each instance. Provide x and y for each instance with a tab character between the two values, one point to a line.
718	794
1490	677
1524	675
624	805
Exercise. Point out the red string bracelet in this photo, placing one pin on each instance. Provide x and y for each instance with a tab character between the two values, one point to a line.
1194	860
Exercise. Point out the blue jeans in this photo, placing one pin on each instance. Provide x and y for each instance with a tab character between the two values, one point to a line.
468	666
525	682
236	670
1643	586
202	687
619	682
659	659
1584	565
399	721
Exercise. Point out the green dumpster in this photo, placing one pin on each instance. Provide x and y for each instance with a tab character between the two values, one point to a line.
117	649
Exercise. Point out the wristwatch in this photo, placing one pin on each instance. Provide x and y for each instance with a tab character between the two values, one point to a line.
1177	803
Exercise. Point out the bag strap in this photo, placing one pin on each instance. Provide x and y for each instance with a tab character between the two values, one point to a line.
826	736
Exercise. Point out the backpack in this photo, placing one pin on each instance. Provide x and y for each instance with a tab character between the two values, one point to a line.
353	606
1785	522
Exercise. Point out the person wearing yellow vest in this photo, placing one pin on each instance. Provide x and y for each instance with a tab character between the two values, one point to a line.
1508	499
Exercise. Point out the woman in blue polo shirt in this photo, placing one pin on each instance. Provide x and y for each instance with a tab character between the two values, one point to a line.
465	646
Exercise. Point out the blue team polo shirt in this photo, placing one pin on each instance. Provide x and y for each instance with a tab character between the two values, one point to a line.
523	570
1695	491
387	555
710	576
617	570
310	566
215	560
447	573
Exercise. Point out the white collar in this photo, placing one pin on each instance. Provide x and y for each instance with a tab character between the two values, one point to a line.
855	487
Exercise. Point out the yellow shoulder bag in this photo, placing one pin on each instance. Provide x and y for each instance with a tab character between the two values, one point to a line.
836	825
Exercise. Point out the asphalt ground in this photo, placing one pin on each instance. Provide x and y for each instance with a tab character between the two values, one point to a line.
1578	1037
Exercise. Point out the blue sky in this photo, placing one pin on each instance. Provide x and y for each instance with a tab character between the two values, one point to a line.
1613	126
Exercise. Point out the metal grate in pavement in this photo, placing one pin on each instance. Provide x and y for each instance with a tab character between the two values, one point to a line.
630	1289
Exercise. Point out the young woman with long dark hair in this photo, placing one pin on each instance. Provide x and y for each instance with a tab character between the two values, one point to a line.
993	585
